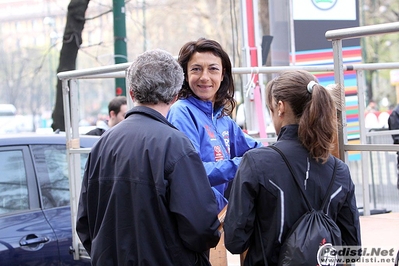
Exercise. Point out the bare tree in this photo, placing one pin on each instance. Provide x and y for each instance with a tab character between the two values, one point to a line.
12	75
71	42
19	81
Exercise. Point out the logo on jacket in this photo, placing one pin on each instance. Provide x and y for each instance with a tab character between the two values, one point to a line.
217	151
210	132
226	139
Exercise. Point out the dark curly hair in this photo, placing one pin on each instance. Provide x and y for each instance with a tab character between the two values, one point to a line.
225	95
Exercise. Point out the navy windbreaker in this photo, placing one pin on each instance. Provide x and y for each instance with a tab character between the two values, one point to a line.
265	190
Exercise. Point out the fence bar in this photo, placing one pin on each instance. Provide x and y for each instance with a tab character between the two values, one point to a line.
382	133
339	79
118	71
371	147
356	32
92	71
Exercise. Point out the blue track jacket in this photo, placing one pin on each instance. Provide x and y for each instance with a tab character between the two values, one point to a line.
219	141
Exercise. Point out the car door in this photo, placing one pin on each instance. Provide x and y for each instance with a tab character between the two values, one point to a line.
52	173
26	238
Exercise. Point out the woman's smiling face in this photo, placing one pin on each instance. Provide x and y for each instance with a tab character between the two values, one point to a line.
204	75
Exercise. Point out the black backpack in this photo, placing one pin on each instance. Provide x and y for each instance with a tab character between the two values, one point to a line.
314	234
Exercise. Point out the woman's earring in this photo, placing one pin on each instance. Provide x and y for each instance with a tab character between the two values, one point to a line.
279	113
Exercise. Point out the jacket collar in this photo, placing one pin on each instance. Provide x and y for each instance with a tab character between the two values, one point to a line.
288	132
205	106
147	111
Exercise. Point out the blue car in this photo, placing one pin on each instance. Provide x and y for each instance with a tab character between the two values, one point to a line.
35	220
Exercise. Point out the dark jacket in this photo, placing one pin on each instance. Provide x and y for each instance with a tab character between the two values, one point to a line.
102	126
146	198
393	123
96	132
264	189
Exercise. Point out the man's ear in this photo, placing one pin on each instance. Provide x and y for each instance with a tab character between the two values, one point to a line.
174	100
131	95
112	114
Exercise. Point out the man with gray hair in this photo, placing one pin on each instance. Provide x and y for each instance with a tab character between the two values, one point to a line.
146	198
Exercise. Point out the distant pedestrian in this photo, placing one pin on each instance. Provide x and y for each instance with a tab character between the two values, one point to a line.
146	198
393	124
117	109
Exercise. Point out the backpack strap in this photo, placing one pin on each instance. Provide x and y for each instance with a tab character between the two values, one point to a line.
298	184
328	193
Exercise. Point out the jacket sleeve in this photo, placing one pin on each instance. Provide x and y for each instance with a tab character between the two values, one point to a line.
82	223
239	222
193	202
348	219
222	171
242	142
220	199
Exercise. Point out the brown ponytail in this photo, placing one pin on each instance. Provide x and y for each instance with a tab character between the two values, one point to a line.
314	109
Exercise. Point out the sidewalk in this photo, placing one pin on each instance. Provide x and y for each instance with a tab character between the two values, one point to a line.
380	231
377	231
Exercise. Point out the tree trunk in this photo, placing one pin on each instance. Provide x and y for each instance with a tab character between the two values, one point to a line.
71	42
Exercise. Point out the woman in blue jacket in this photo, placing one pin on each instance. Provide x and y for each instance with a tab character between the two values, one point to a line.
203	111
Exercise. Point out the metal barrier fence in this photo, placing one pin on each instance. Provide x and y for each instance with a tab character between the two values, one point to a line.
336	37
384	193
361	170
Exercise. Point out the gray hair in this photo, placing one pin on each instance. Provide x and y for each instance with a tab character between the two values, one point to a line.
155	76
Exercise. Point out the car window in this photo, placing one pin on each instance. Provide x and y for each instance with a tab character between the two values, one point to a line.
52	171
13	185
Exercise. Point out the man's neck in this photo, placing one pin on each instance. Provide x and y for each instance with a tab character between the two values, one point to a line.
162	108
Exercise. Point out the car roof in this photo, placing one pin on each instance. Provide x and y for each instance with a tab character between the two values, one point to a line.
86	141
